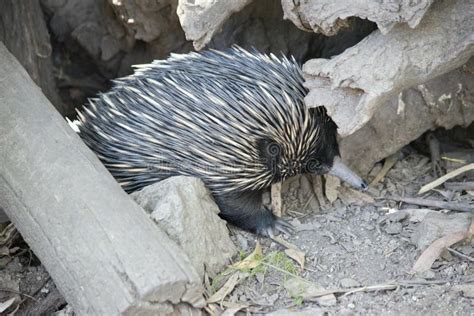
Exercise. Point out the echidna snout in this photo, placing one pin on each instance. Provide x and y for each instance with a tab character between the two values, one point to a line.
235	119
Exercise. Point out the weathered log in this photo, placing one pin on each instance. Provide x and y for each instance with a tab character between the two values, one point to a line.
329	16
445	101
201	20
354	84
23	31
103	252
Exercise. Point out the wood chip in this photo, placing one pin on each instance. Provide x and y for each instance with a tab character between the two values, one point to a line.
277	205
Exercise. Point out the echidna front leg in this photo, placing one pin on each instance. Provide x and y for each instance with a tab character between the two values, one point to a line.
246	210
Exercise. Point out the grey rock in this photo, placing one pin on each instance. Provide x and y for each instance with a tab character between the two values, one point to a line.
394	228
436	225
184	209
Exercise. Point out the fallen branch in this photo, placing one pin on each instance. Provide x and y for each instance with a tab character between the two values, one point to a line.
460	254
445	178
459	186
453	206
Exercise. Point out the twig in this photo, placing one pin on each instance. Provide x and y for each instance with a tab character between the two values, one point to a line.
459	186
390	161
435	152
2	289
453	206
460	254
446	177
385	286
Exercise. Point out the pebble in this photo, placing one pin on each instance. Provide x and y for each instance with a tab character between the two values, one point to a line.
394	228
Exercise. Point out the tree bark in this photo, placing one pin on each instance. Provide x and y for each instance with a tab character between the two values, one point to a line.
355	83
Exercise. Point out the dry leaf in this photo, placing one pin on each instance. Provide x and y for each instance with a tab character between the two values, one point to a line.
6	305
429	256
297	255
213	309
292	251
251	261
227	288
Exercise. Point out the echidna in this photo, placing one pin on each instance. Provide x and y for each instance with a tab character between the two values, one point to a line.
235	119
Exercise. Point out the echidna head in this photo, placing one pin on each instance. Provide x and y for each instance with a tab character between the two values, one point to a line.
326	158
320	156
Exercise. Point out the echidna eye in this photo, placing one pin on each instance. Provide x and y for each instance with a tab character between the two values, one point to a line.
312	166
273	149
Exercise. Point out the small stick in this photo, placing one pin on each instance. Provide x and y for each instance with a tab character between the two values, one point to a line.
460	254
446	177
19	293
435	152
390	161
459	186
453	206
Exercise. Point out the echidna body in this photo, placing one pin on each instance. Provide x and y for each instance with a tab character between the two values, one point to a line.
235	119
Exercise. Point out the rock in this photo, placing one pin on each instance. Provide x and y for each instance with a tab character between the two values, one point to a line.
436	225
394	228
467	290
347	282
185	210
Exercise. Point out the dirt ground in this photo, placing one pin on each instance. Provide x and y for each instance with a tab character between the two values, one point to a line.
346	245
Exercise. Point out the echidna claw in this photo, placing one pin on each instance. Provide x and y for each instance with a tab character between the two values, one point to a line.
284	227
